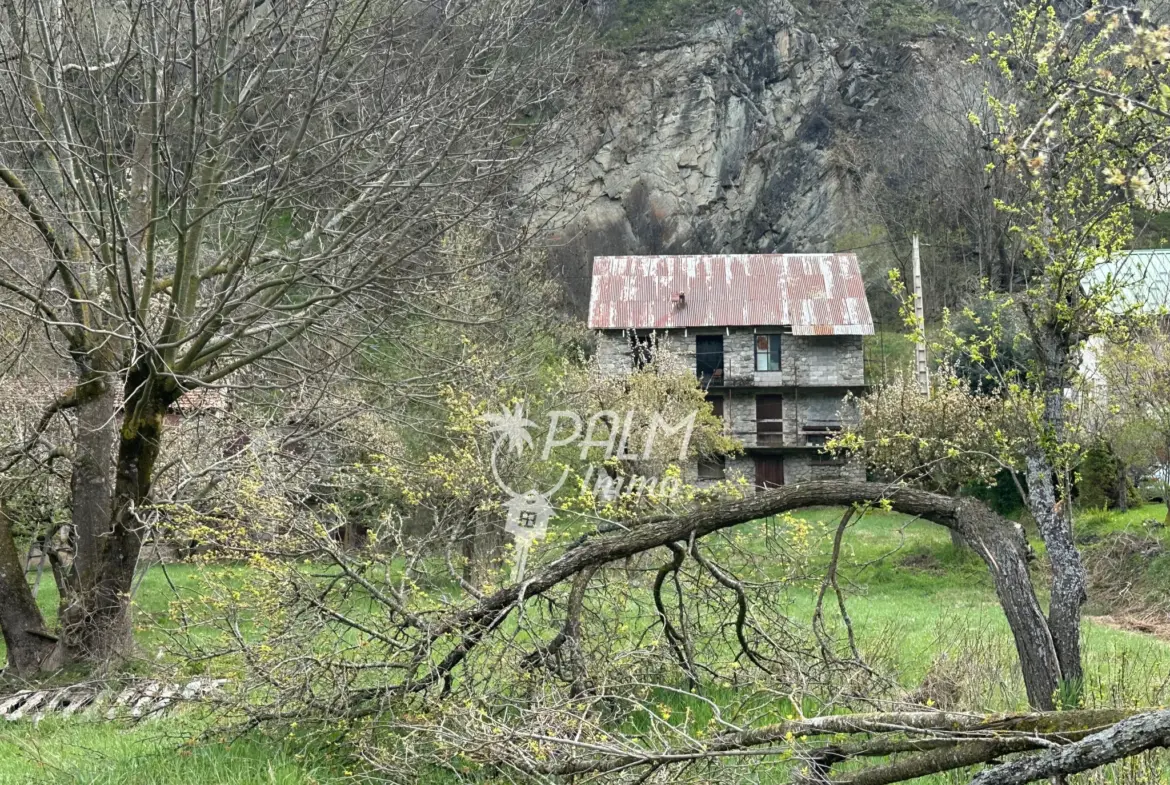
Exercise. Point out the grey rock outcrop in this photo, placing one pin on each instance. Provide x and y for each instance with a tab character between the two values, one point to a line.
719	144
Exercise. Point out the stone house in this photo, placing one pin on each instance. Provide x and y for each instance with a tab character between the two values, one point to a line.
775	339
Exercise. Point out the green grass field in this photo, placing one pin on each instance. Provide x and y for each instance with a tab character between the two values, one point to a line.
919	606
154	753
906	583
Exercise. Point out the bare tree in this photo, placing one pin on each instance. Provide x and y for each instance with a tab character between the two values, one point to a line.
927	173
211	184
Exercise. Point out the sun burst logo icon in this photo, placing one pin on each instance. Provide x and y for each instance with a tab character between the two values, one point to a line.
511	428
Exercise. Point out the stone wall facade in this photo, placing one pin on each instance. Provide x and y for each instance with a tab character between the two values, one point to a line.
805	360
805	468
814	379
800	409
798	467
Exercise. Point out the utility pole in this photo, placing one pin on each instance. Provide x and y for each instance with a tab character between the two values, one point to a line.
920	368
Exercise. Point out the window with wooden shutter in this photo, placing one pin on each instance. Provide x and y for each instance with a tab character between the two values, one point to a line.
818	434
769	471
769	420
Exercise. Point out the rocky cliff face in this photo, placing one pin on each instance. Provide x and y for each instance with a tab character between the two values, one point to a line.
723	143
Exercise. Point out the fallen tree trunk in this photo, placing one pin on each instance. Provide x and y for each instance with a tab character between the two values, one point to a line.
998	541
1127	738
938	741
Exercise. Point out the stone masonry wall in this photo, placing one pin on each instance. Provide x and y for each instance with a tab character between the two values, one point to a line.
735	467
809	362
802	468
824	360
739	412
812	361
613	354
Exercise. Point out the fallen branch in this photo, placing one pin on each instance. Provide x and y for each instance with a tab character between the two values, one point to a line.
1127	738
675	636
998	541
947	740
830	579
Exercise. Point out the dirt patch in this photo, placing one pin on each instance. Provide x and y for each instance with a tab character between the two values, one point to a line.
923	562
1153	623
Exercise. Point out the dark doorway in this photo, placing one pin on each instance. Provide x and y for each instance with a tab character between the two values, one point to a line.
709	360
769	471
642	349
716	402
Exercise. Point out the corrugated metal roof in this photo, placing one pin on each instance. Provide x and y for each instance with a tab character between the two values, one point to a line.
1142	276
816	294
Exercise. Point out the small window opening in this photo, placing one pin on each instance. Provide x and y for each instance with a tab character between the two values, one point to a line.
767	352
709	360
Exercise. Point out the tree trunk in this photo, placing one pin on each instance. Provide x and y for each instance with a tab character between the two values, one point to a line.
1068	573
482	549
30	647
106	490
94	622
1127	738
1122	486
1069	580
1004	550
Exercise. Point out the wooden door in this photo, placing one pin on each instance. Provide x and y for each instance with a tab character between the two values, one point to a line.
769	471
769	420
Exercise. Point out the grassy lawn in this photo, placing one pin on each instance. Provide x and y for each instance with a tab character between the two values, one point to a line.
158	752
72	752
919	606
915	599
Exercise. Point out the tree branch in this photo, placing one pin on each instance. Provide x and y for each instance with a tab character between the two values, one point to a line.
1127	738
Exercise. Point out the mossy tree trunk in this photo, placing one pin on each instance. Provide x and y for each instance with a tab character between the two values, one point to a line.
115	455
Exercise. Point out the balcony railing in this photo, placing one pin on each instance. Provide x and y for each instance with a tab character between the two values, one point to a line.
811	434
721	378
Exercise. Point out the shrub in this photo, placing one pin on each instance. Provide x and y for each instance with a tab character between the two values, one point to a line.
1000	495
893	21
1097	480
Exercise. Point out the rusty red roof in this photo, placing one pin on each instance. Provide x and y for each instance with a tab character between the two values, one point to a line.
816	294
